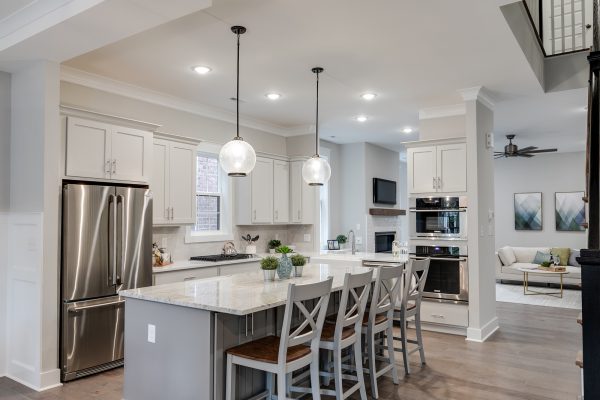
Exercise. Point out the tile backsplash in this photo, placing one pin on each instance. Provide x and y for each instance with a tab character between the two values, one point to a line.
173	239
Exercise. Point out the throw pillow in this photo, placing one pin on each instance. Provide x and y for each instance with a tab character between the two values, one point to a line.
542	257
562	253
573	258
507	255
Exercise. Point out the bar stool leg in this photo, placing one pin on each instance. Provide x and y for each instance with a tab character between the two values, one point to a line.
389	333
230	379
269	384
404	340
420	337
337	373
314	378
281	386
359	370
372	366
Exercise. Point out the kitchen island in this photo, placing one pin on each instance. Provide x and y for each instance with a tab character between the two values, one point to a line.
176	334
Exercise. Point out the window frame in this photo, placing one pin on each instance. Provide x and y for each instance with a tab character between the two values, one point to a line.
226	204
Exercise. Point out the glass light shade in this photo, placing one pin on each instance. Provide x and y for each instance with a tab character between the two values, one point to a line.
316	171
237	158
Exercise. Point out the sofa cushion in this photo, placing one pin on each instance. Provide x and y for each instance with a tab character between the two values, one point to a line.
507	255
562	253
573	258
527	254
542	257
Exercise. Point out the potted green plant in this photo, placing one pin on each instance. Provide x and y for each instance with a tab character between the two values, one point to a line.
273	244
298	261
342	239
269	266
250	246
284	269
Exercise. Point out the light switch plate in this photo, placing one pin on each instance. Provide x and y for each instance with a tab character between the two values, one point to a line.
307	237
489	140
359	240
151	333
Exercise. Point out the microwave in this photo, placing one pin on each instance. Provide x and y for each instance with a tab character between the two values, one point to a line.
438	217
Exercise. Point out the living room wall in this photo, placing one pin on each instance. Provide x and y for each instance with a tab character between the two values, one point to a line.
546	173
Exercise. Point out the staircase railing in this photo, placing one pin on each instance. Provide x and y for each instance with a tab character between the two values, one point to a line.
562	26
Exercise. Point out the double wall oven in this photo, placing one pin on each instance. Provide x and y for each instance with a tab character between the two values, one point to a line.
438	218
448	277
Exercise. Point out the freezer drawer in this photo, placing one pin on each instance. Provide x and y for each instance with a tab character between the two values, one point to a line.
92	336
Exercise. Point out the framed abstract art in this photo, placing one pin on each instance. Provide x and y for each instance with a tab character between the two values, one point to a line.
528	211
569	211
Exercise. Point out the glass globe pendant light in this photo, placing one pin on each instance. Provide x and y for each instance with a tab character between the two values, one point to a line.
316	170
237	157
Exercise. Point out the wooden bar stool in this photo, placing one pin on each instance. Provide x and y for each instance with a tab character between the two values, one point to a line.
379	320
346	332
412	293
293	350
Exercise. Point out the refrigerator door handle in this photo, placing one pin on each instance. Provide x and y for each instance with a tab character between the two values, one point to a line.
81	308
112	241
119	271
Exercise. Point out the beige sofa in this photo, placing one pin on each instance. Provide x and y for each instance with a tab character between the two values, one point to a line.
522	257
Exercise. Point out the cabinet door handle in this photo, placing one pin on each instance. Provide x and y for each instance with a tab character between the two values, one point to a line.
114	166
107	168
434	183
439	182
438	316
172	213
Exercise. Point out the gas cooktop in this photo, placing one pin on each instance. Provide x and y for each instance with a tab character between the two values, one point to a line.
222	257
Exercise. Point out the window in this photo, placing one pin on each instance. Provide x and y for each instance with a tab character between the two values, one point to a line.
213	201
208	193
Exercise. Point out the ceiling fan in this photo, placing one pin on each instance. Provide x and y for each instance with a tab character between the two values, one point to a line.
512	150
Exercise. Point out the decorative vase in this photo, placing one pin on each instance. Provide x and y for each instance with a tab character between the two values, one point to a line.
284	268
269	275
298	270
251	249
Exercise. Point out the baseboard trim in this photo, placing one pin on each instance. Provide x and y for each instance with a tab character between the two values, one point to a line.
480	335
440	328
48	380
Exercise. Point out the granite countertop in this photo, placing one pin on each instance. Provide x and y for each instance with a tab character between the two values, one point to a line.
239	294
181	265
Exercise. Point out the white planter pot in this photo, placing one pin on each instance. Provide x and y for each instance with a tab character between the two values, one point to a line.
298	270
269	274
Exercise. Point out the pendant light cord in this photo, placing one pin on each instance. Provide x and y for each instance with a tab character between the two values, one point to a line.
317	120
237	92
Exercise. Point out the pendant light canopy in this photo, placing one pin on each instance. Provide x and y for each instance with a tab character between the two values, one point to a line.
316	170
237	157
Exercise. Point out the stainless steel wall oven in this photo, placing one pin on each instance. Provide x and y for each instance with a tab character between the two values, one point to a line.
438	218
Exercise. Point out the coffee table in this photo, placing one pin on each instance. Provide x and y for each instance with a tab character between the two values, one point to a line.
528	291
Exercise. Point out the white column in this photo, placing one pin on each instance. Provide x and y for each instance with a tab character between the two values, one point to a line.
32	273
480	188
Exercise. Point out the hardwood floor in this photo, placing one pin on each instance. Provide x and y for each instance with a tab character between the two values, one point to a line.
532	357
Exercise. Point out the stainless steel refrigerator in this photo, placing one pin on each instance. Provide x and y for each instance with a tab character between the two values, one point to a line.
106	247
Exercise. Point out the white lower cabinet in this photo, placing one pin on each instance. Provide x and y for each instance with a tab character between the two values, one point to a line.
173	181
162	278
243	268
445	313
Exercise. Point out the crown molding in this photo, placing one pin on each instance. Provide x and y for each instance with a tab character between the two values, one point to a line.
94	81
442	111
478	93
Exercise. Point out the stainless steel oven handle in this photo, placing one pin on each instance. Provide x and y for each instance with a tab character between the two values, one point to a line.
81	308
439	258
440	210
119	274
382	264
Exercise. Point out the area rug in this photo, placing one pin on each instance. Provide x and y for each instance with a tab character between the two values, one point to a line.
514	294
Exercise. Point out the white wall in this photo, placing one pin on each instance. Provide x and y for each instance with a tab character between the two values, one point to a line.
546	173
353	199
4	205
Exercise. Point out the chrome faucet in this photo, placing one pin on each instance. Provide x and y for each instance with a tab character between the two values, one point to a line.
353	241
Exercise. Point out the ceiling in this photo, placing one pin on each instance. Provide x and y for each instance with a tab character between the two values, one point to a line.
413	53
8	8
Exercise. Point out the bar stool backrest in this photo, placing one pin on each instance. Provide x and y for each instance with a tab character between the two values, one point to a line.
414	282
386	291
356	292
311	326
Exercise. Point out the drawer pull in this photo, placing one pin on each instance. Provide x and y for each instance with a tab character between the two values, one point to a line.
438	316
189	278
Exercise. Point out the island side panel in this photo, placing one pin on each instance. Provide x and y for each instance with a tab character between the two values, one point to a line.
182	351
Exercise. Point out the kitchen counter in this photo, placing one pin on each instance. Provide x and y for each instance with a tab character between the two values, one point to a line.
239	294
182	265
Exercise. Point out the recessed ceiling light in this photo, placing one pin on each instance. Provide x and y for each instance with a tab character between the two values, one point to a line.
201	69
361	118
368	96
408	129
273	96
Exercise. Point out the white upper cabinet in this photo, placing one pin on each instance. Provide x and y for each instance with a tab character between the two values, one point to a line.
281	192
105	151
422	172
441	168
452	167
173	182
262	191
274	193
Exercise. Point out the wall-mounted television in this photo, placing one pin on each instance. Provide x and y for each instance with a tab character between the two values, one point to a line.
384	191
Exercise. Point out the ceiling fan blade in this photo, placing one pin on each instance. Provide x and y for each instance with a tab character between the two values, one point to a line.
542	151
524	155
498	152
526	149
501	155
